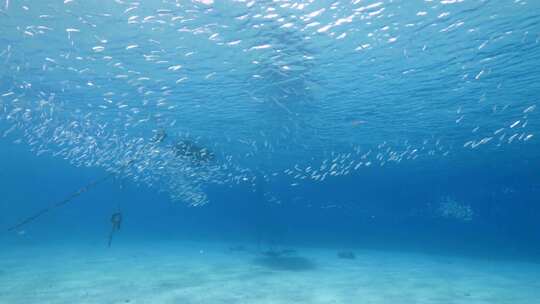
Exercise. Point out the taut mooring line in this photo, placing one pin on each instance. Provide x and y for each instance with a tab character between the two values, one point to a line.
68	199
158	139
61	203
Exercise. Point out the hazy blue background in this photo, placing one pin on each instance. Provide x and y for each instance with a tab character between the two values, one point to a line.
276	88
374	208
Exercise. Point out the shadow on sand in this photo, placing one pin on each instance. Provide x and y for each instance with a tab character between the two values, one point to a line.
286	263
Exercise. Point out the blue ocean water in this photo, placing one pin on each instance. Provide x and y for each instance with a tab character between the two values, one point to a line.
369	129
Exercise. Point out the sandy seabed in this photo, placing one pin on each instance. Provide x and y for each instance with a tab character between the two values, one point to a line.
197	272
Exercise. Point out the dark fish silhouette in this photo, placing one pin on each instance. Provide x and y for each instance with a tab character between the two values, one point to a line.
188	149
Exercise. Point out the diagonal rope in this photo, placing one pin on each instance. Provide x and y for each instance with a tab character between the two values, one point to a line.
59	204
159	138
72	196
